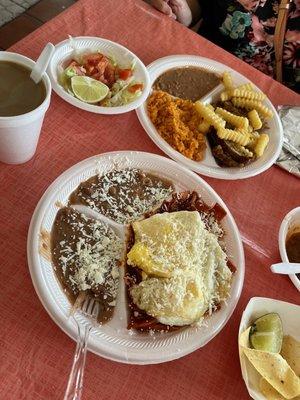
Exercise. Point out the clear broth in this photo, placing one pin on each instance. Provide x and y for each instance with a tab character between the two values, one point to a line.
18	93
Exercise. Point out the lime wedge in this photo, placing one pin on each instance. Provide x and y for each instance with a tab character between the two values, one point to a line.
88	89
266	333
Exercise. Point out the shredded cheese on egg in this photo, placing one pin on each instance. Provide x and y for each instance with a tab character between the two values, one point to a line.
185	268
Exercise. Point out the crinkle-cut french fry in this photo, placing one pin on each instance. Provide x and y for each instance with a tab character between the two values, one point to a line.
246	86
209	115
247	152
248	94
225	96
234	136
253	139
227	80
244	132
235	120
204	126
254	119
261	144
255	134
247	131
252	143
252	104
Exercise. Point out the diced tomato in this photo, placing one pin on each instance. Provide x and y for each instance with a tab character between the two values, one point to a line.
99	77
77	67
93	59
101	65
109	75
125	74
71	63
80	71
135	88
90	69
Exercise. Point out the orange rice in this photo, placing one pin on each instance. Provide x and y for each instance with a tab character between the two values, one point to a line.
177	122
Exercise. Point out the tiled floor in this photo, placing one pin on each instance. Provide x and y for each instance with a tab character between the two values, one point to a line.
10	9
30	20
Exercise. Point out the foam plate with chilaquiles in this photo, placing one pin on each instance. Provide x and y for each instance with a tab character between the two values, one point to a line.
165	290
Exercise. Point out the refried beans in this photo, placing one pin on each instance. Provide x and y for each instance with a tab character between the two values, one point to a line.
189	83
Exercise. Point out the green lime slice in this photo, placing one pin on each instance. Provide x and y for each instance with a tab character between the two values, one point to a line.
266	333
88	89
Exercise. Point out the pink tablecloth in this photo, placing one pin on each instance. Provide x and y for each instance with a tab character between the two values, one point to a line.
35	354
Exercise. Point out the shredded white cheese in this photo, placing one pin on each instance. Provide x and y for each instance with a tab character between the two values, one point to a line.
94	258
118	194
185	268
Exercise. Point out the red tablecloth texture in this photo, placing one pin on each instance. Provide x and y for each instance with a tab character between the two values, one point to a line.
35	355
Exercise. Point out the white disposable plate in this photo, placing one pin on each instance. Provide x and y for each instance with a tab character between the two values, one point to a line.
289	222
208	166
258	306
63	51
113	340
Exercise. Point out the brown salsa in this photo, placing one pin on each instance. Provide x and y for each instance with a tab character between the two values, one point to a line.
293	246
189	83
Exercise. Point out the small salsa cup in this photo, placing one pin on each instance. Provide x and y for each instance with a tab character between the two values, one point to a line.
289	222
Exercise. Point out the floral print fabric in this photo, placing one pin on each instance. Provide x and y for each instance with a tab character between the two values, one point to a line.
235	24
246	28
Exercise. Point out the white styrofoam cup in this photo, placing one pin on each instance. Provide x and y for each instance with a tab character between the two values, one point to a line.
19	134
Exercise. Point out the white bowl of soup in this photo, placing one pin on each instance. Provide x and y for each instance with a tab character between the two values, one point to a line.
289	241
23	105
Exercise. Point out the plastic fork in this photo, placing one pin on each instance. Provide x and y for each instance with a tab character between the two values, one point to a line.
90	308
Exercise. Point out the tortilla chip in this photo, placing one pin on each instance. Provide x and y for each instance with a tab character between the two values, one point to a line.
244	338
290	351
270	393
274	368
276	371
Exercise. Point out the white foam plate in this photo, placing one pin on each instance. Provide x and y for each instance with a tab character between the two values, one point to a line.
113	340
289	222
258	306
208	166
123	56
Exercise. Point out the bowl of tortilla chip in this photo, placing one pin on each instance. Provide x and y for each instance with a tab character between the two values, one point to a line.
271	375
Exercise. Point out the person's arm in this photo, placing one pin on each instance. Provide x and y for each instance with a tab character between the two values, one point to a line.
163	6
195	10
177	9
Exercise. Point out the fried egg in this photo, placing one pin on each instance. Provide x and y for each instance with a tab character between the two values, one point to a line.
184	268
